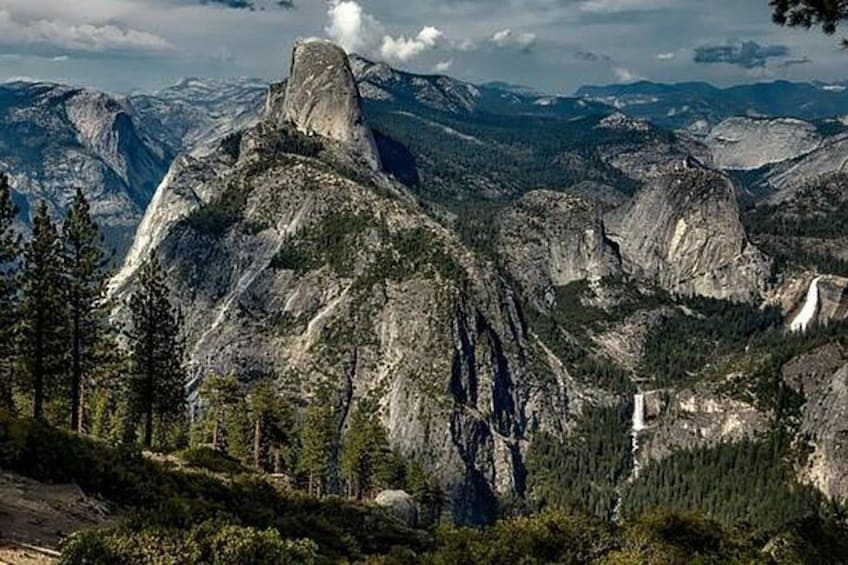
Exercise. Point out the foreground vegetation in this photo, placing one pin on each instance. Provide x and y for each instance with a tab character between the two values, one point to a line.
190	514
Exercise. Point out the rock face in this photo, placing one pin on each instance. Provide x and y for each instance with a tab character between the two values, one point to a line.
822	376
326	275
747	143
54	139
683	231
698	417
322	97
551	239
399	504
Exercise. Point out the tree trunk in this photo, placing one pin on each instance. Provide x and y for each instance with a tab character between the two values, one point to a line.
278	467
38	370
76	374
216	433
257	443
148	428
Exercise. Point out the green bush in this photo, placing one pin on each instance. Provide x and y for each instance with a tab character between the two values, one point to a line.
211	460
211	542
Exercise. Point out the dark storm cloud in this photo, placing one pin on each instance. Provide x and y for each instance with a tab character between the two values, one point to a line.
748	54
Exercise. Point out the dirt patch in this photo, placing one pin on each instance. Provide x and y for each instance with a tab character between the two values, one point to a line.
35	517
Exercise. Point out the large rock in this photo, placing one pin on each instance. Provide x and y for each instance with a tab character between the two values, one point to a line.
399	504
551	239
683	232
322	97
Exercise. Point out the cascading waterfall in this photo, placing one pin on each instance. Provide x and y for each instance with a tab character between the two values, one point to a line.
808	312
637	426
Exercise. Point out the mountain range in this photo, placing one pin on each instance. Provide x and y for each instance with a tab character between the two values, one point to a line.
547	298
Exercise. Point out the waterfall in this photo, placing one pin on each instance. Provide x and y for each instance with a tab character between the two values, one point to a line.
811	306
637	426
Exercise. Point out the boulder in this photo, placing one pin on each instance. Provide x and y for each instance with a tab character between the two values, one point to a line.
399	504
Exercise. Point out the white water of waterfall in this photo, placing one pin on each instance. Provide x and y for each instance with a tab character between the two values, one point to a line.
637	426
811	306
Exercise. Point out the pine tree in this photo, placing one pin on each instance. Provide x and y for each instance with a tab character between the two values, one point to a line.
9	251
222	395
85	270
318	445
365	452
157	374
272	427
43	311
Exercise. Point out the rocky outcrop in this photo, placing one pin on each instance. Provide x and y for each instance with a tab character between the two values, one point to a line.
822	377
196	111
550	239
683	231
749	143
788	178
697	417
322	98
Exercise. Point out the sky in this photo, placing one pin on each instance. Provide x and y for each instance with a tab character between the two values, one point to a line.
555	46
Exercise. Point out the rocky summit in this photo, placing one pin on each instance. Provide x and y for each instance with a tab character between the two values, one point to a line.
322	98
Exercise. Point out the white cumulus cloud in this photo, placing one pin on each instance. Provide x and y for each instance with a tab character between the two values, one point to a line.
357	31
665	56
351	27
443	66
509	38
625	75
404	49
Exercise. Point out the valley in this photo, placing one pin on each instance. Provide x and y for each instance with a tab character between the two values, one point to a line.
490	307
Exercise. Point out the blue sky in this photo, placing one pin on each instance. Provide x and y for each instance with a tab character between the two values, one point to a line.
553	45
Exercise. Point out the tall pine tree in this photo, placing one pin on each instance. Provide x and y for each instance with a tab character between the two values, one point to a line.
318	440
85	270
157	375
43	311
9	250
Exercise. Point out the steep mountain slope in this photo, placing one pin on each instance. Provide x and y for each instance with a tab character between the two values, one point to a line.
291	257
54	139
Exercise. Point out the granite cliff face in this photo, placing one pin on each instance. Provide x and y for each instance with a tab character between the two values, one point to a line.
327	275
55	138
322	98
550	239
822	377
683	231
748	143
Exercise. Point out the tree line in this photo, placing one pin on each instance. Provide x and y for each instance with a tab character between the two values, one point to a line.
59	357
63	362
